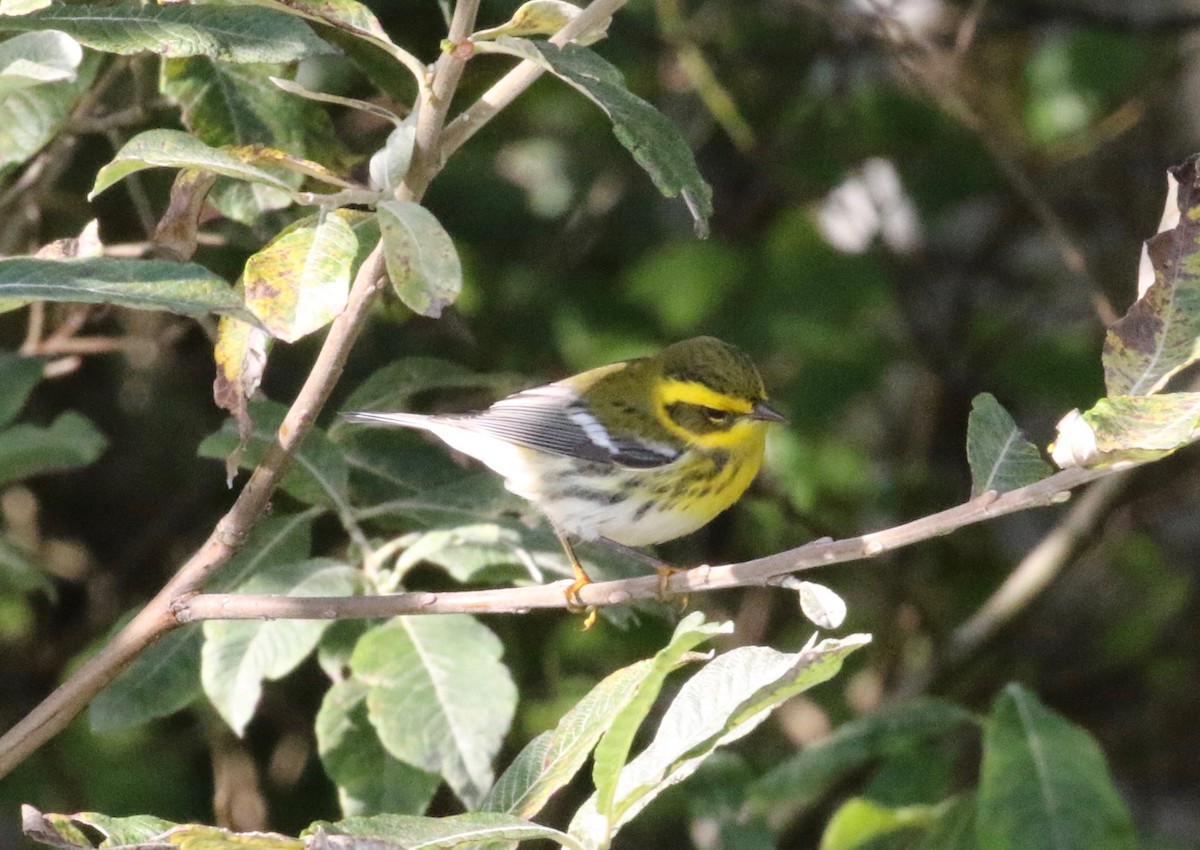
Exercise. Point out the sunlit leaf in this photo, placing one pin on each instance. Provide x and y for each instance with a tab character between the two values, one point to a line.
368	778
421	260
1000	457
1044	783
234	33
68	442
955	827
430	833
727	699
1160	335
175	149
860	820
543	17
30	118
1127	428
300	281
239	655
34	58
613	750
435	668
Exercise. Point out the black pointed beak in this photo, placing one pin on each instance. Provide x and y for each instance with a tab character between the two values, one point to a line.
764	412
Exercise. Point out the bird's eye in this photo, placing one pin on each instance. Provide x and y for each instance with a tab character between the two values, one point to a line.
717	416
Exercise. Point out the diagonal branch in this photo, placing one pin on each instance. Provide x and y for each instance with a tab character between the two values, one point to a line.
514	600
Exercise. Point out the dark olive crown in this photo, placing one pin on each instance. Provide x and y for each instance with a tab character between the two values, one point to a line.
714	364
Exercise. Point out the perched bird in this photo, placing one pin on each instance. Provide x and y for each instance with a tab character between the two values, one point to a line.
631	454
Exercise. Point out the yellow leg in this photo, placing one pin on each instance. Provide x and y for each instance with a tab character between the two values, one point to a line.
582	579
664	570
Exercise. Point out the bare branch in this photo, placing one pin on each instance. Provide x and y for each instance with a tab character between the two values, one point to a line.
603	593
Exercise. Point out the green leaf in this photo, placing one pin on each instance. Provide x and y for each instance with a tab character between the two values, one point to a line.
162	680
64	830
27	450
1044	783
239	655
1000	457
30	118
35	58
417	833
726	700
184	288
616	706
1127	428
543	17
300	281
346	15
231	104
165	678
421	261
20	573
800	781
318	473
176	149
18	376
395	386
274	541
858	821
465	550
233	33
955	828
426	678
368	779
613	751
655	142
1160	335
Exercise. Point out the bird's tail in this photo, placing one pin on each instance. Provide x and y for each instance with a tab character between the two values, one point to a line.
399	420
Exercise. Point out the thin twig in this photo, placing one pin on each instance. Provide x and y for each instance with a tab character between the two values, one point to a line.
223	606
1040	566
512	84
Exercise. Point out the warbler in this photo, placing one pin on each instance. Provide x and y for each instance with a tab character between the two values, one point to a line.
631	454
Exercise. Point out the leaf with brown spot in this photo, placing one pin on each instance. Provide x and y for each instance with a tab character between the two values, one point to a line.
421	260
300	281
1160	335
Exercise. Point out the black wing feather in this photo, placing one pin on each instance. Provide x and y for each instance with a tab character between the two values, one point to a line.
552	419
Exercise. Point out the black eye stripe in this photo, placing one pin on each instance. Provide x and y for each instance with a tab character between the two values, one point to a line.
700	418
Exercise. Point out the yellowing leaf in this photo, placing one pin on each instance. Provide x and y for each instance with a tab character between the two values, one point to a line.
300	281
1127	429
543	17
421	260
241	355
1160	335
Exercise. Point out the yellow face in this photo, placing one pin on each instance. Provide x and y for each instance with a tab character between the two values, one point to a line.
709	419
